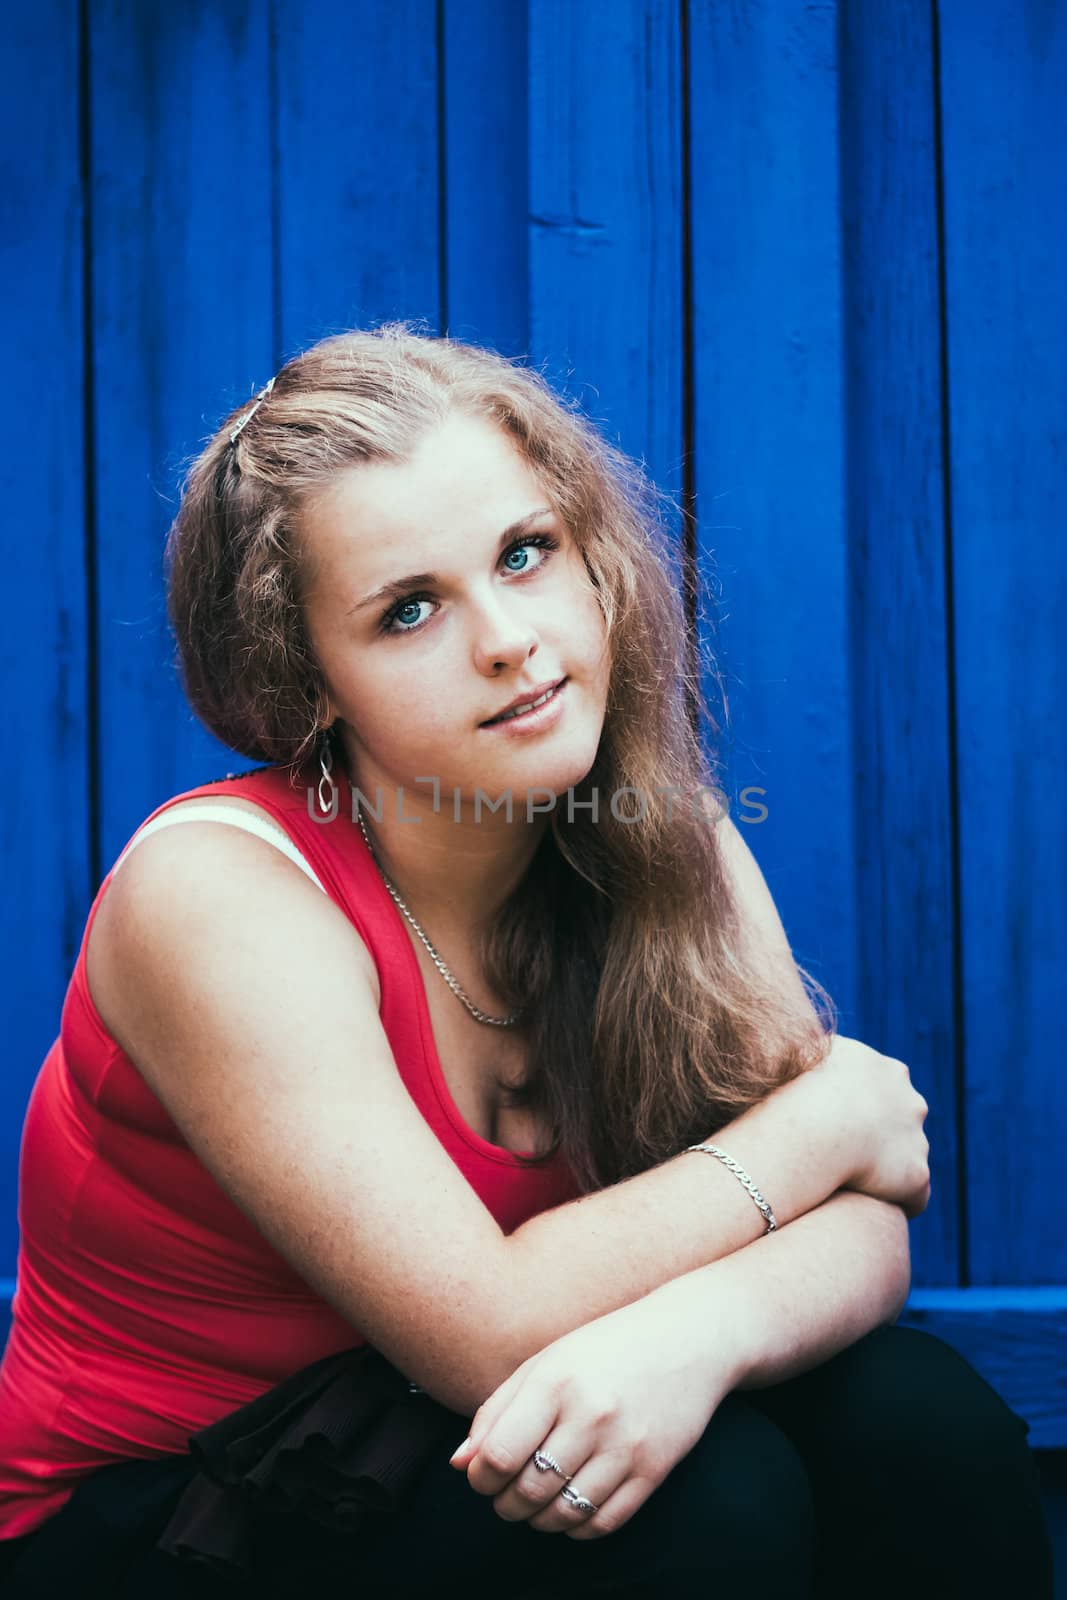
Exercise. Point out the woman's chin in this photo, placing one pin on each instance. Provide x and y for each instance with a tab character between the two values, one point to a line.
536	776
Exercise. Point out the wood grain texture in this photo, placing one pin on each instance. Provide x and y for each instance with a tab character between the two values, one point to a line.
181	249
357	182
605	216
45	645
768	397
899	614
1004	109
485	257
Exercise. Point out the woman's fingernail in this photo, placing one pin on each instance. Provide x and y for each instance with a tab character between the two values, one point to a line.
458	1451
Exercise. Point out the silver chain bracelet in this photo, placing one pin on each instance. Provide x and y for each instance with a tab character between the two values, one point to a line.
743	1177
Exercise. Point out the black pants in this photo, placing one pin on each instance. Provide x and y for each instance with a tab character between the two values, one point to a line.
891	1470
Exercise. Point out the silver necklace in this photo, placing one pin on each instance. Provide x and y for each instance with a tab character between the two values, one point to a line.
478	1015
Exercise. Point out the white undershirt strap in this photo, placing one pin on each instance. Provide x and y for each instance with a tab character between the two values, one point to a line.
211	811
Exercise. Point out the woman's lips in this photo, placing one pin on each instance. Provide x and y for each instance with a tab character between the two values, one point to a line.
533	721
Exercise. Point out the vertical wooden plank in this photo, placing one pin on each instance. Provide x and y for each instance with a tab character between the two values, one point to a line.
1003	99
606	220
357	175
44	661
182	278
768	416
485	266
903	749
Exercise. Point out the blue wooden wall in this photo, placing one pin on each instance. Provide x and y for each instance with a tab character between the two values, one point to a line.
808	262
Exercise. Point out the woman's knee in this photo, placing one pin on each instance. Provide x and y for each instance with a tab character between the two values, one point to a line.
740	1502
901	1425
913	1455
911	1397
738	1508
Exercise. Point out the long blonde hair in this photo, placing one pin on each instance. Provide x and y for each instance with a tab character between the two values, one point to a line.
651	1014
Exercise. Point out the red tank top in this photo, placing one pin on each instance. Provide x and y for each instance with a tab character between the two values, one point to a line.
147	1305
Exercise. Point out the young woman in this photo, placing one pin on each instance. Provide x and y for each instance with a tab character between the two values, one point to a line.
406	1039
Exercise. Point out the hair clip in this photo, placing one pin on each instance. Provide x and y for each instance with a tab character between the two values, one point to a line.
260	397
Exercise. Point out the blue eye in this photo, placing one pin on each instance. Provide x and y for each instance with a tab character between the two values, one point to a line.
390	622
405	605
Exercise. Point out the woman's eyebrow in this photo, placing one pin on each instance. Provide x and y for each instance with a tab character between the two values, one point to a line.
396	586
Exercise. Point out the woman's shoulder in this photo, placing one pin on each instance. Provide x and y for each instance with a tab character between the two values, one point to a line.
229	838
269	802
230	809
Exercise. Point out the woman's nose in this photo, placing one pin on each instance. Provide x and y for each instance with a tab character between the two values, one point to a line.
502	635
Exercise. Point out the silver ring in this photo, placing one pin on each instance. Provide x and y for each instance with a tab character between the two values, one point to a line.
546	1463
578	1501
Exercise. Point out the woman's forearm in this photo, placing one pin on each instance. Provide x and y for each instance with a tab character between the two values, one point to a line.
607	1249
798	1296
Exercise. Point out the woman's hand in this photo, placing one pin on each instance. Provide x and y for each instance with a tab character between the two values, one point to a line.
617	1403
892	1154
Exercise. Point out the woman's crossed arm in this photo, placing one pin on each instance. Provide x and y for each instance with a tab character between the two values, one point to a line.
243	995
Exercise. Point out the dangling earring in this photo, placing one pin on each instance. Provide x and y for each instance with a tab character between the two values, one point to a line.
326	781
